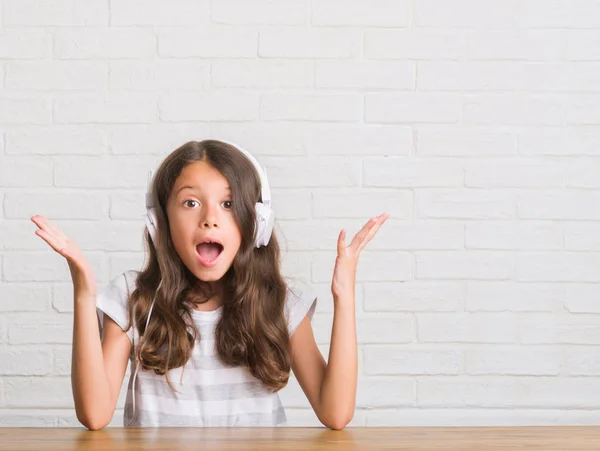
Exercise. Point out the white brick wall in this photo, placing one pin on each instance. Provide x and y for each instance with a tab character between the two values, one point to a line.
473	122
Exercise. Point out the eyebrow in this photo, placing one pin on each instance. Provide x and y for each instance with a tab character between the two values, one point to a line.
196	188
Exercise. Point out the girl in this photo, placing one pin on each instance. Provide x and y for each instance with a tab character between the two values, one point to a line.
209	322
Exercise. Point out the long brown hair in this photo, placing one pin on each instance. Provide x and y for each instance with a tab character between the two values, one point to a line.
252	330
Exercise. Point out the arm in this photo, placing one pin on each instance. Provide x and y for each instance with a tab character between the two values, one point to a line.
331	387
97	367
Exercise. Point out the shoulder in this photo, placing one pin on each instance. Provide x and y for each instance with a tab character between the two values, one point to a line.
113	299
300	301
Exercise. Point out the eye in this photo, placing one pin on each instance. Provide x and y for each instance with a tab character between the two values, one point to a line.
227	204
189	200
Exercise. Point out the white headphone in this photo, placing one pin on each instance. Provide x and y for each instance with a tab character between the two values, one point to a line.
265	216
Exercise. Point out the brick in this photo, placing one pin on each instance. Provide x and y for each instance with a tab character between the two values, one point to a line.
119	262
23	297
61	361
515	173
465	204
57	75
158	75
40	392
127	205
22	43
582	236
513	361
98	172
312	172
569	205
414	44
364	203
582	110
25	172
455	141
25	110
513	109
25	362
323	233
558	267
467	328
581	45
481	14
28	418
373	266
375	392
261	12
511	296
514	235
268	138
210	43
525	392
158	13
414	296
354	140
57	140
414	107
522	45
42	329
311	107
412	172
362	13
262	74
557	14
380	360
57	204
583	173
582	298
582	361
55	13
114	108
46	266
365	74
289	42
154	139
419	235
104	43
552	329
212	106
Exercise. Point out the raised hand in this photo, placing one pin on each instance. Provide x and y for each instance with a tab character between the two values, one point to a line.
344	273
84	281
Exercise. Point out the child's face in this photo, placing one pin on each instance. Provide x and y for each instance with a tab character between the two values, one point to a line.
200	209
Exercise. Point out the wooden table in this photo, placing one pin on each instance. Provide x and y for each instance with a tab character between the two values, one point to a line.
456	439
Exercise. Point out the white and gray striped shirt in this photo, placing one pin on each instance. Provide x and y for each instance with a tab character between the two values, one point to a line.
209	393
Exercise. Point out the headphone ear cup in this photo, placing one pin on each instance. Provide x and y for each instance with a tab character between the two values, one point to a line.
265	220
151	223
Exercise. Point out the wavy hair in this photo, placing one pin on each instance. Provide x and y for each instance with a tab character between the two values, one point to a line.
252	330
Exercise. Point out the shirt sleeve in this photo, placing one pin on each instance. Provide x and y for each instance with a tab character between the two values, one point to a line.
298	304
113	301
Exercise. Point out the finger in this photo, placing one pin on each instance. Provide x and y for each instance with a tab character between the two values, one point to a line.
341	243
50	227
358	238
53	242
380	220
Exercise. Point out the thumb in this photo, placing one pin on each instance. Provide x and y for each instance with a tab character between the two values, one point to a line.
341	243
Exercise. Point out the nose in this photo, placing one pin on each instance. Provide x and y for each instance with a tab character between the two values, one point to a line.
210	216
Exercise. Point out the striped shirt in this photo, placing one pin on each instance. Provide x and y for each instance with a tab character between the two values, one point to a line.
209	393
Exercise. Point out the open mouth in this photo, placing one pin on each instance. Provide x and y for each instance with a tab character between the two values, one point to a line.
208	252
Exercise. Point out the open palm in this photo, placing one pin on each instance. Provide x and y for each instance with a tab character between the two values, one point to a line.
81	271
344	272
